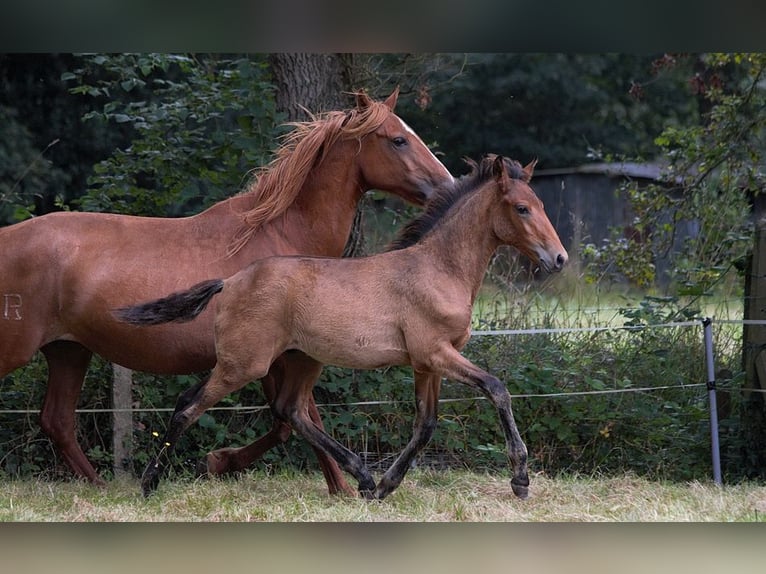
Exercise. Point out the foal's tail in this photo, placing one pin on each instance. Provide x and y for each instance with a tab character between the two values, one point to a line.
180	307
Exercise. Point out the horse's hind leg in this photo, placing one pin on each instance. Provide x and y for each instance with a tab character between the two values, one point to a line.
225	379
427	388
293	403
67	364
228	460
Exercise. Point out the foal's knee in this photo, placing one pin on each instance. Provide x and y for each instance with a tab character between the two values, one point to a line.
189	395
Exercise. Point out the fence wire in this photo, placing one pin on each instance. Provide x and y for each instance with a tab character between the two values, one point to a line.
246	409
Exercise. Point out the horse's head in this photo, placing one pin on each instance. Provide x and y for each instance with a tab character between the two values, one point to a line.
393	157
520	218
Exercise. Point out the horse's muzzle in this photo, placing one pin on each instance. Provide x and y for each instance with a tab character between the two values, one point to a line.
556	265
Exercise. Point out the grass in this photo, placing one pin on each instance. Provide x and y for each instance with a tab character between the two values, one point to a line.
424	496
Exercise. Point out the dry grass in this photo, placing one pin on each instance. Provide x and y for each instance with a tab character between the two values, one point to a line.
425	496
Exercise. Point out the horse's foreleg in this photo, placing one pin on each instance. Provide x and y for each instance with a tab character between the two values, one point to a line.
427	387
294	402
454	366
67	364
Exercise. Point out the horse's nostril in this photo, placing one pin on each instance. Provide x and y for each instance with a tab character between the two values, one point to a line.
560	260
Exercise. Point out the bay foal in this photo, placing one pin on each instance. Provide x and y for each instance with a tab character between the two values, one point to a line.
408	306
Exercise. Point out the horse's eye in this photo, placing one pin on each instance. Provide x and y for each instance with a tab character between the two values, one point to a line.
399	141
522	210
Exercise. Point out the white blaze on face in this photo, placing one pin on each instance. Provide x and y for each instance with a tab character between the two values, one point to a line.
410	131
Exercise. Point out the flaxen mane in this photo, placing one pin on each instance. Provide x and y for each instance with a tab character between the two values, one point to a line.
448	198
276	186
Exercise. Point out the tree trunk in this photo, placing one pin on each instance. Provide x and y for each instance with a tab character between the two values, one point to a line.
319	83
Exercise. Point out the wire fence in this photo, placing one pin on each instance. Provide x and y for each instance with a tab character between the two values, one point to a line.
710	384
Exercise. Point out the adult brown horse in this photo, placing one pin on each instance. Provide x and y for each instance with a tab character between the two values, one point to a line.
63	273
408	306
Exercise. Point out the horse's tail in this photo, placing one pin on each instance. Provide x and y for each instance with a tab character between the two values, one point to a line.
180	307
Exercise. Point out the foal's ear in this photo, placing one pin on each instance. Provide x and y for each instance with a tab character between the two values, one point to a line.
529	169
498	165
363	101
390	102
500	172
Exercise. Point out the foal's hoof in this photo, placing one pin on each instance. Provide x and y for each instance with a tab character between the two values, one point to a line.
367	494
151	480
519	489
367	489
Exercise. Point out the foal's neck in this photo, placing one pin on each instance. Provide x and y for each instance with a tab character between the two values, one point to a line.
464	241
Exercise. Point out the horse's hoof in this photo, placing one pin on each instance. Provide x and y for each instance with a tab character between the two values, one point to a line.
150	481
203	470
367	494
520	490
147	489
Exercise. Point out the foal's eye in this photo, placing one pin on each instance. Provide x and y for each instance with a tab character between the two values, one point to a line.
399	141
522	210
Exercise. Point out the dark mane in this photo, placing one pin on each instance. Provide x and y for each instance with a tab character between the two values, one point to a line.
447	198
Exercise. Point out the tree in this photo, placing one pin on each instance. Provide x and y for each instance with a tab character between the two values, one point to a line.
313	82
316	83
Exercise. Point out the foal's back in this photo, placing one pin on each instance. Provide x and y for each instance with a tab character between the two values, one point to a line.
347	312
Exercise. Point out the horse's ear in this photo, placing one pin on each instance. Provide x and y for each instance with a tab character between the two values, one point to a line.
529	169
498	165
390	102
363	101
500	172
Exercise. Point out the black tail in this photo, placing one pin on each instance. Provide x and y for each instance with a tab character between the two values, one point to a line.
181	307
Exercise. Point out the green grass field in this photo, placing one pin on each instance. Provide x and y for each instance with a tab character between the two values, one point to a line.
424	496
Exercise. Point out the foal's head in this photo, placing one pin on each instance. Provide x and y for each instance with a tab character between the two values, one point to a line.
519	218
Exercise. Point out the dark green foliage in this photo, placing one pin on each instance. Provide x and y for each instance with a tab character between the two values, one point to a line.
198	125
46	151
711	179
564	109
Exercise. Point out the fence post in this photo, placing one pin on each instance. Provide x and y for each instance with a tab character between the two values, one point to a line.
753	410
707	324
122	432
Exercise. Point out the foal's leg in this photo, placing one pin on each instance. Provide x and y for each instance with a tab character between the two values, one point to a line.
233	459
454	366
427	387
293	404
227	460
67	363
189	407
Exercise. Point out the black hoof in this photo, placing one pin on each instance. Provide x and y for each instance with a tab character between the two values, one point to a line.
367	489
367	494
520	489
151	479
